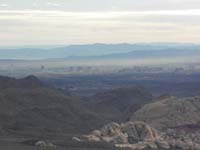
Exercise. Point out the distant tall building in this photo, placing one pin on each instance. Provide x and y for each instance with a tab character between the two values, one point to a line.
42	67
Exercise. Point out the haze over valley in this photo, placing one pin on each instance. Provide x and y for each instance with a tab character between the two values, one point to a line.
99	75
63	95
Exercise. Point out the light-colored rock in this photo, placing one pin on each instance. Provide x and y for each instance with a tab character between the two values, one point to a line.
43	145
39	144
76	139
121	138
91	138
139	136
161	144
111	129
151	145
139	131
96	133
185	145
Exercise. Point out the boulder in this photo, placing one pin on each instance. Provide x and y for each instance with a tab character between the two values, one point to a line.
151	145
111	129
43	145
184	145
91	138
161	144
139	131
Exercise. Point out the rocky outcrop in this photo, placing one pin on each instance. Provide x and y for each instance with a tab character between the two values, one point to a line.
138	136
139	131
177	117
44	145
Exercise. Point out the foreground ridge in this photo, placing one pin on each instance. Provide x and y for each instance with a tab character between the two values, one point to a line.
137	136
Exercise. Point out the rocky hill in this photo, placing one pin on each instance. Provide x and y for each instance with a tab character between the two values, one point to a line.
168	123
176	117
170	112
137	136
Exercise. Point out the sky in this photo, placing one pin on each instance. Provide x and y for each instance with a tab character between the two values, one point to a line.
65	22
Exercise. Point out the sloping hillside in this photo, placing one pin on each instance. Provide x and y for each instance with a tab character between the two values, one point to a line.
26	105
118	103
174	124
170	113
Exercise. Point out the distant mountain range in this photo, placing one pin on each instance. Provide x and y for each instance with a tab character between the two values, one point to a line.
103	51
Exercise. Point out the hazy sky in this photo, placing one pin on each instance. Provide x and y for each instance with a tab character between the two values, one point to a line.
45	22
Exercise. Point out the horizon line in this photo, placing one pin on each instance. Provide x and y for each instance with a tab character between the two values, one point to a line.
95	43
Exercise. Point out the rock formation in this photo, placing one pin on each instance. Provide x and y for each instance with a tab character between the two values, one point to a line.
138	136
44	145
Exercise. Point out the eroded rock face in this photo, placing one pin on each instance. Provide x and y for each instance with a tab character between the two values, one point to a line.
138	132
138	136
130	132
111	133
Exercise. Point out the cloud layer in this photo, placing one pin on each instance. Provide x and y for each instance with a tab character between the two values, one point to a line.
103	5
36	27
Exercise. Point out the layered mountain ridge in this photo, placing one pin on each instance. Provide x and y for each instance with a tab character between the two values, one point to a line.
28	105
